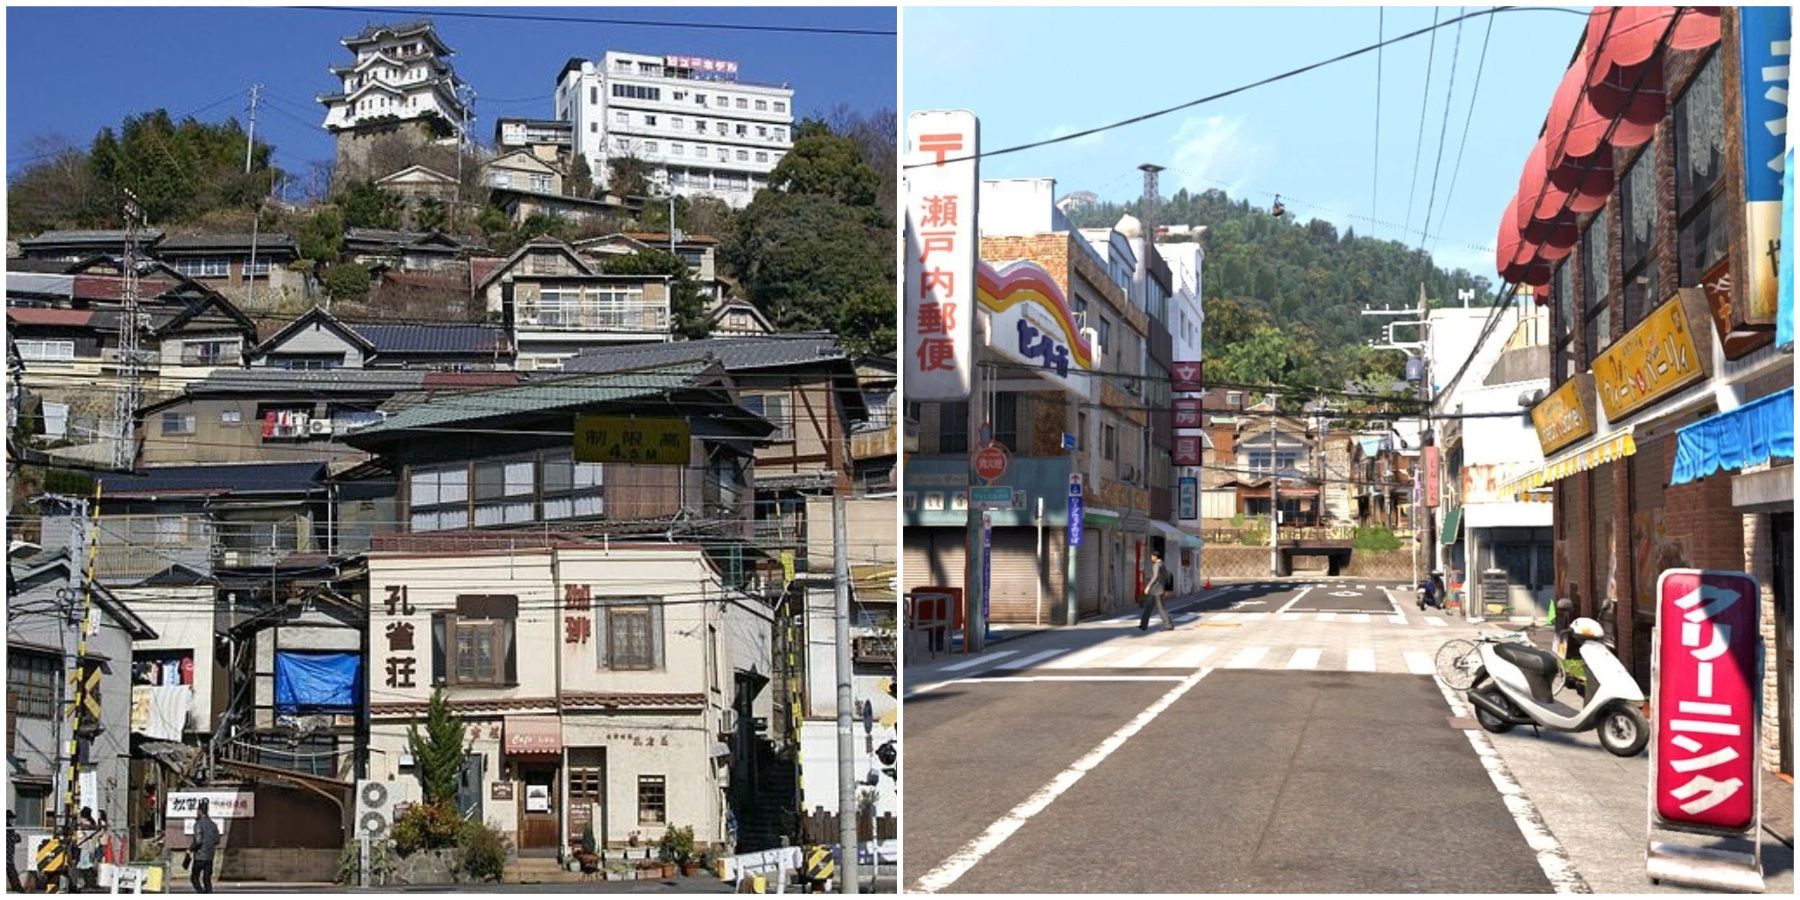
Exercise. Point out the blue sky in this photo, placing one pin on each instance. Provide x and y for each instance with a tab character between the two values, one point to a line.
133	60
1031	74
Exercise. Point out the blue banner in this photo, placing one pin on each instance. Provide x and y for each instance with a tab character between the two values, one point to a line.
1767	31
987	569
1075	521
316	682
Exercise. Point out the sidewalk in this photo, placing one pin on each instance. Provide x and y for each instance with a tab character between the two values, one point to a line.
1596	805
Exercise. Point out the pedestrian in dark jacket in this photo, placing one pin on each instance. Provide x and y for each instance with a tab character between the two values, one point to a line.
203	848
1154	589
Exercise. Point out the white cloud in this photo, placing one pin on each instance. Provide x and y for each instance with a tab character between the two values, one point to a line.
1210	150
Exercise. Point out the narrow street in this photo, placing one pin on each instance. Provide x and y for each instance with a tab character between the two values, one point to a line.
1105	759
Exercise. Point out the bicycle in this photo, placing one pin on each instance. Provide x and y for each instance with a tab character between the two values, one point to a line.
1457	659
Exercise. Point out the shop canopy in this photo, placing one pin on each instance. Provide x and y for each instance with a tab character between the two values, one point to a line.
1750	435
1595	452
1452	525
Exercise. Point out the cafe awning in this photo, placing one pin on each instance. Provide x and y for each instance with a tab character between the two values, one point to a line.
1749	435
1591	453
1452	525
533	736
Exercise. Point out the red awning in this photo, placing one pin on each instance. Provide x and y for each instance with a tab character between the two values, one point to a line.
1620	37
1578	157
533	736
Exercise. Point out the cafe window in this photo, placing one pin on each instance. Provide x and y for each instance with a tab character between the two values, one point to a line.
1596	284
572	489
953	426
1638	210
653	795
1563	290
504	491
1699	172
631	628
439	497
474	646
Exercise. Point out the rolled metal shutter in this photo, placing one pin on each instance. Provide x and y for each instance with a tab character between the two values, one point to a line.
1016	574
933	558
1087	574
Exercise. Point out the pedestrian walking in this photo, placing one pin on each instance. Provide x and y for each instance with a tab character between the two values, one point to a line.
88	838
202	850
1158	584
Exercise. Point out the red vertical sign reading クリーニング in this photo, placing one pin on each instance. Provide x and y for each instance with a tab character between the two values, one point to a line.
1707	700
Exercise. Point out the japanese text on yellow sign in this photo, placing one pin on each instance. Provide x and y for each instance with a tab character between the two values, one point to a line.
618	439
1563	417
1649	362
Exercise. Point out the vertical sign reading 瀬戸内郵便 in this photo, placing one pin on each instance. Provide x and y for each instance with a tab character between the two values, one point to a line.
940	288
1707	684
1766	33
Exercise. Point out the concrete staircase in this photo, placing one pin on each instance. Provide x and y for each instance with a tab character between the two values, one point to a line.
540	870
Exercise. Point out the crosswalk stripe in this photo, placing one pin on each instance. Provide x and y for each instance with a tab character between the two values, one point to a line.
1253	617
1291	617
1419	662
1397	619
1305	658
972	663
1077	660
1248	658
1436	621
1029	661
1362	659
1327	617
1192	656
1360	618
1139	658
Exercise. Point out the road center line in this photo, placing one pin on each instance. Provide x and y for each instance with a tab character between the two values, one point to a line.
1551	856
959	863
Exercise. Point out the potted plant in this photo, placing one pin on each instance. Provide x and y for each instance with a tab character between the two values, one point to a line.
677	849
709	861
617	870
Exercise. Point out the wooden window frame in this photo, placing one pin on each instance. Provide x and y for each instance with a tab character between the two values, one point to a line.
1710	203
649	786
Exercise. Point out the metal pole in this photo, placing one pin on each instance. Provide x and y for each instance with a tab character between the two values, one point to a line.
974	630
1274	501
846	743
1422	509
250	139
1043	561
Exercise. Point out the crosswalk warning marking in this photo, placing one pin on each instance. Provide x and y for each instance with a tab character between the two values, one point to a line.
1291	617
1305	658
1327	617
1139	658
1360	618
1419	662
976	661
1082	658
1029	661
1433	620
1192	656
1397	619
1247	658
1362	659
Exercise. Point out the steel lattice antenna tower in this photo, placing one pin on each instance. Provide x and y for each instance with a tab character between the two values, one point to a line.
1148	207
126	398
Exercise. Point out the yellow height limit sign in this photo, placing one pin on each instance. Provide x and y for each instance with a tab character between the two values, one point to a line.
620	439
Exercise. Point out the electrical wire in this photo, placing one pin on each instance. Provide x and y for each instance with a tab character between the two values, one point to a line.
1424	101
1463	144
1443	132
1375	160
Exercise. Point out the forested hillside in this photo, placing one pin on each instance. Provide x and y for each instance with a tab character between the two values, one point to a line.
1283	298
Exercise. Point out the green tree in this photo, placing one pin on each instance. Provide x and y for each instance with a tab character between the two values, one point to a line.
431	214
627	177
180	170
686	301
825	164
438	751
580	182
321	235
366	206
347	281
803	257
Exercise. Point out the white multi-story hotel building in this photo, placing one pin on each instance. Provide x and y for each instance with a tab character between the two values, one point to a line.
699	131
401	73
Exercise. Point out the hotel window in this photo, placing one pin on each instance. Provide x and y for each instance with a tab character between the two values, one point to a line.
474	645
177	423
649	146
742	103
762	156
631	628
572	489
762	131
780	106
781	133
675	122
1563	291
652	800
439	498
700	99
743	131
676	150
721	101
953	426
1596	282
621	118
724	153
743	155
1700	210
762	104
649	120
1637	246
504	491
700	126
722	128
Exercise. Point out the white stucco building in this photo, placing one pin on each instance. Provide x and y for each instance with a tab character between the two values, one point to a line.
401	73
698	129
1187	316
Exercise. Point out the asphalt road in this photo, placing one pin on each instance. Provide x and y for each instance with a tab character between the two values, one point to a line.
1306	756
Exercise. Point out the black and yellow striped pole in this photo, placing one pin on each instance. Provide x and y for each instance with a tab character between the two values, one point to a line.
84	705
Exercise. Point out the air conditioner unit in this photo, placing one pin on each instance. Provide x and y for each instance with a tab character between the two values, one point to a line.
728	721
319	426
374	809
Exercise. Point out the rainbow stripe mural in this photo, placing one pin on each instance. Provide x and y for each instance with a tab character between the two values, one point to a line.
999	290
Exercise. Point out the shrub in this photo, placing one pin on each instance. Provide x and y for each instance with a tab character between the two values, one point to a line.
483	851
1376	538
677	844
427	826
347	281
381	863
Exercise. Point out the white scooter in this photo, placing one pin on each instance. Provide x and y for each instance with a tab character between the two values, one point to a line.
1512	687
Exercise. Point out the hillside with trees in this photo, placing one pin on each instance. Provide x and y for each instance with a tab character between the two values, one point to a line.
1284	298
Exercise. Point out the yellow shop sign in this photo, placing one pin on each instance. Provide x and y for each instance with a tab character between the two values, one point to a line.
1567	415
621	439
1656	358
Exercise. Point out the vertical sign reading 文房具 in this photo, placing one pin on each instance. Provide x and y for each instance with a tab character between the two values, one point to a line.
939	306
1707	687
1767	40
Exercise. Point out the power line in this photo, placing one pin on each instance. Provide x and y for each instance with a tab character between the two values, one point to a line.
1443	134
596	20
1462	145
1242	88
1375	161
1424	101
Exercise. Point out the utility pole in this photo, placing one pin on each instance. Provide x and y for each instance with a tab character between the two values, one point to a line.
1426	438
81	702
846	731
256	215
125	399
974	625
250	139
1421	348
462	149
1274	497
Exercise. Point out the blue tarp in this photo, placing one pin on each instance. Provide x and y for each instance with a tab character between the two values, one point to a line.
316	682
1746	436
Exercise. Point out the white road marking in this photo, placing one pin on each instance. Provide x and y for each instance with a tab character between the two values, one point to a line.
1081	659
1290	604
1139	658
1026	679
1327	617
1029	661
1252	617
1419	662
1291	617
1396	620
1360	618
1362	659
1433	620
960	862
972	663
1248	657
1551	856
1305	658
1192	656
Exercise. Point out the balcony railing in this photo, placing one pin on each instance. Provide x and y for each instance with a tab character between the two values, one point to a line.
597	315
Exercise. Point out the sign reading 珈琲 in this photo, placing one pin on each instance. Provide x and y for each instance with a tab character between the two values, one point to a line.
939	290
623	439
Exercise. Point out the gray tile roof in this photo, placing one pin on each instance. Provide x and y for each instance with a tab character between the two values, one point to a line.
231	241
536	397
416	338
233	478
89	236
735	354
346	381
